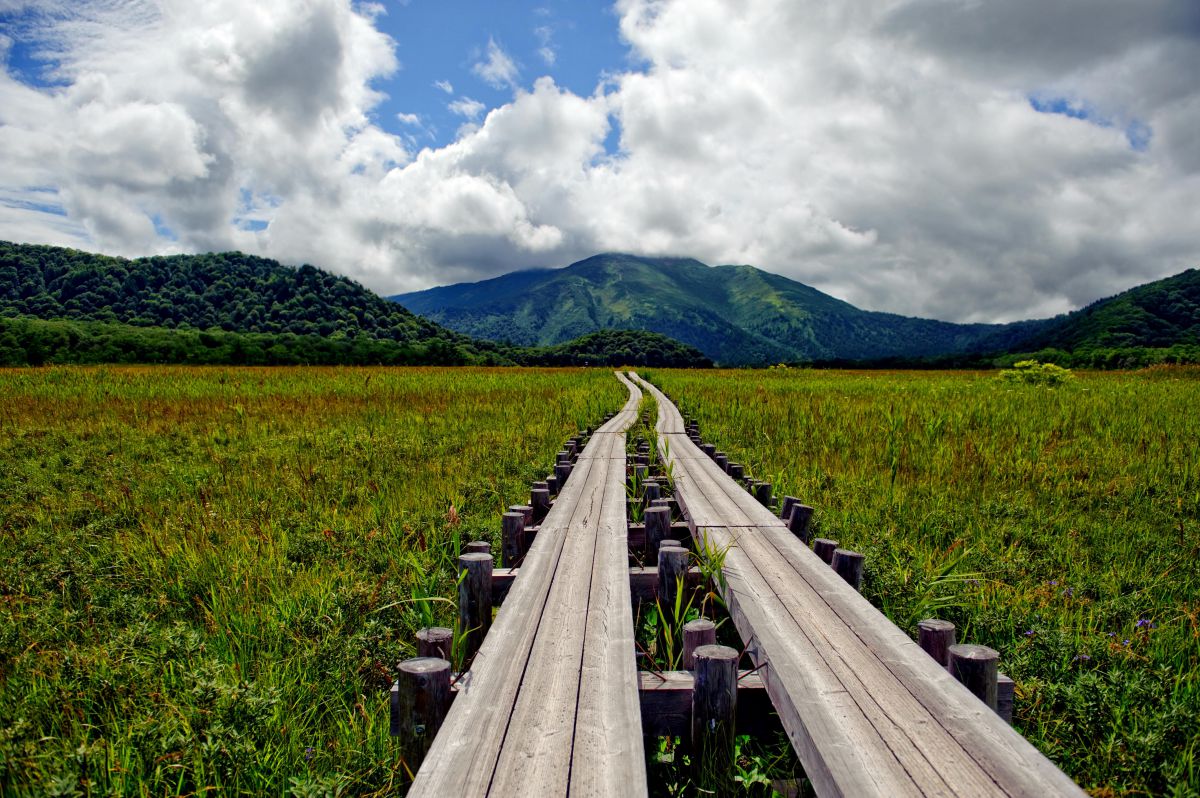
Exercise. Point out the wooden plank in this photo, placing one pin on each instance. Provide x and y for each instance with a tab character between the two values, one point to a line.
464	757
944	740
608	758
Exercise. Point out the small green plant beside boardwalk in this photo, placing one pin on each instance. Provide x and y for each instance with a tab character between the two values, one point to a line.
207	576
1060	527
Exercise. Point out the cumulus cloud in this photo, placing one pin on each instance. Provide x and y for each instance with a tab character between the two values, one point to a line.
964	160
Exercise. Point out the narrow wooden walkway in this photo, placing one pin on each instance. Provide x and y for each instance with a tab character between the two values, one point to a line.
550	704
867	711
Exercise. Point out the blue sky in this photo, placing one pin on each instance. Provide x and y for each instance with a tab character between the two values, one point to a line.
440	43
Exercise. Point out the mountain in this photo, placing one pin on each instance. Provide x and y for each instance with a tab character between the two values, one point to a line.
1160	314
734	314
64	306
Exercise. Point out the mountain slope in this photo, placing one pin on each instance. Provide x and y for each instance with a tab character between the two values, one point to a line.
734	314
1158	314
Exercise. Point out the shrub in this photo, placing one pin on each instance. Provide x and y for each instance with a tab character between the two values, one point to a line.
1031	372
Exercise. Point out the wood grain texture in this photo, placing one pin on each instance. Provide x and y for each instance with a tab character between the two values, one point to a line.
551	704
868	712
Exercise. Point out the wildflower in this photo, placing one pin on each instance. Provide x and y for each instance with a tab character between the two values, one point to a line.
1081	657
1112	634
1069	592
1146	623
1053	582
1126	642
308	753
1029	633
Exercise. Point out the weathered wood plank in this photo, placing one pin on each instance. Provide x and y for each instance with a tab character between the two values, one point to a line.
851	688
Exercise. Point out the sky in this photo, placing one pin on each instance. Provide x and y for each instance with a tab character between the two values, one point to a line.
957	159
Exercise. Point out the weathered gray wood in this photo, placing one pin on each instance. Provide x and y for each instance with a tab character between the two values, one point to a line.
650	491
976	667
785	511
709	449
561	472
420	700
868	712
539	499
525	510
700	632
474	601
672	571
714	711
849	566
658	526
666	699
435	641
824	548
737	471
1006	690
512	532
762	493
935	637
799	520
553	484
722	461
478	547
563	456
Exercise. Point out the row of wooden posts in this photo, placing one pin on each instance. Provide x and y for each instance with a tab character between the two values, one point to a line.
423	691
975	666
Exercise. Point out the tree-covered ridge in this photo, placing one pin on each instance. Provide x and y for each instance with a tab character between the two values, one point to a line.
227	291
621	348
734	314
1160	314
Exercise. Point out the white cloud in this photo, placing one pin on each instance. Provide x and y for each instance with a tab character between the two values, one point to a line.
466	107
545	37
444	85
498	69
883	150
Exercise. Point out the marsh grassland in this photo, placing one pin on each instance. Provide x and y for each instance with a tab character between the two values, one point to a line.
206	574
1060	526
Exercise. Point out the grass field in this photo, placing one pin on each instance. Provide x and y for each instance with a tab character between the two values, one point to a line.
1060	526
207	574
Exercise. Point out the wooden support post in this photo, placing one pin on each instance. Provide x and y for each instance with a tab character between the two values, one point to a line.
824	548
479	547
786	509
563	456
540	501
525	510
474	601
935	637
640	472
553	484
658	526
722	461
849	566
1006	690
762	492
672	568
651	490
562	471
700	632
512	533
420	701
714	708
737	471
977	668
799	521
709	449
435	641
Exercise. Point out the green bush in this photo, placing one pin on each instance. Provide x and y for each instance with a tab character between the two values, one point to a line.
1031	372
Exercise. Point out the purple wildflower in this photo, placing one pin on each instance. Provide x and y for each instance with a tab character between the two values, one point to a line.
308	753
1079	657
1029	633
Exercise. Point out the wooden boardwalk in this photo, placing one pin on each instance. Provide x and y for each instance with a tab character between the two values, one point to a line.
868	712
550	705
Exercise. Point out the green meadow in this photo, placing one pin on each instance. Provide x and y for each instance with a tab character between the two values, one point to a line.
1058	525
207	574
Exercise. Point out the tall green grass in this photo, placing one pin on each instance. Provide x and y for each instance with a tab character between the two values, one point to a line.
207	575
1060	526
